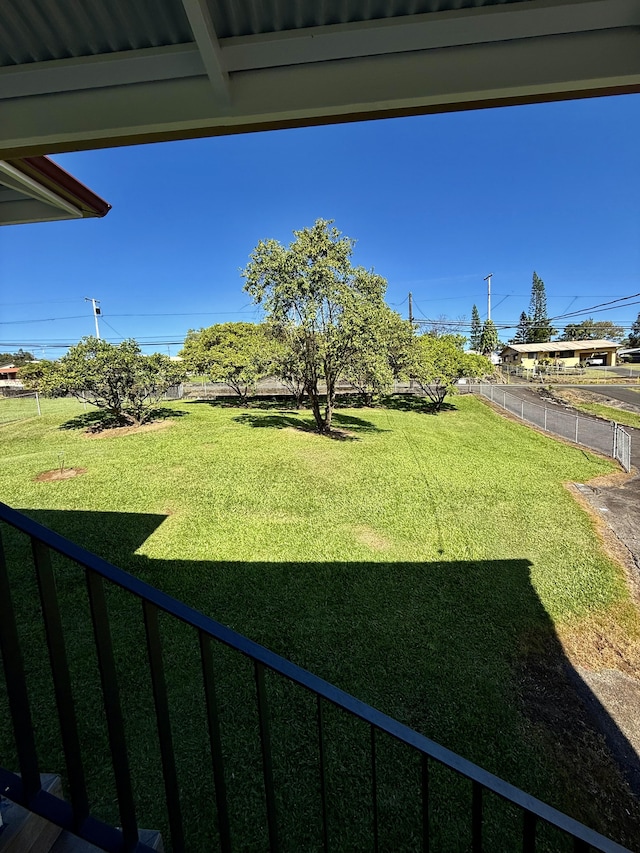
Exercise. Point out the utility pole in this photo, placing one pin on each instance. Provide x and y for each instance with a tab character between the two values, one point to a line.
487	278
96	312
411	308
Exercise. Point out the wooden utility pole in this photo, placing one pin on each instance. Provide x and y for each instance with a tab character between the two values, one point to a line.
410	307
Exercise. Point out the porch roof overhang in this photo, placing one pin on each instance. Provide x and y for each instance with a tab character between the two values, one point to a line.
35	189
117	72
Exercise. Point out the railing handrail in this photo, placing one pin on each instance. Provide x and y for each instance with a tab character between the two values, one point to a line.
306	679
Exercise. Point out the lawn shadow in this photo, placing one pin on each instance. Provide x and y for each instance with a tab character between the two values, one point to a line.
284	401
343	426
438	645
100	420
414	403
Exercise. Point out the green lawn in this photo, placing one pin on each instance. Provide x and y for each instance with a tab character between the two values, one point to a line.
611	413
413	564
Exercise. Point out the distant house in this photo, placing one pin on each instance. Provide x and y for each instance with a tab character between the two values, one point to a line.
9	376
562	353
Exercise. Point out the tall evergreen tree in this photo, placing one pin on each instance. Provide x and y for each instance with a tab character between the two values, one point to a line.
540	329
522	332
488	338
476	330
634	334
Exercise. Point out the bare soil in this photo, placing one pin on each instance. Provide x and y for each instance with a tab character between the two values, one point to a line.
57	474
112	432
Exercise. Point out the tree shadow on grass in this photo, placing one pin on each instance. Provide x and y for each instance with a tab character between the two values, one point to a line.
99	420
284	401
413	403
437	645
344	426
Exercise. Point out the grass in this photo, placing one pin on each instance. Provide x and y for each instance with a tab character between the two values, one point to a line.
611	413
415	564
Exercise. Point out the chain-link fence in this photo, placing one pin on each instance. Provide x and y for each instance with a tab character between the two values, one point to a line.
606	437
18	406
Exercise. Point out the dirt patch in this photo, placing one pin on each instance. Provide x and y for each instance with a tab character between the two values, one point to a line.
57	474
113	432
369	537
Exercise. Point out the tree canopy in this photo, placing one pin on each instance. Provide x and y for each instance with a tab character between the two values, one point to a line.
438	364
540	329
17	358
488	338
476	330
592	330
116	378
237	354
318	302
634	334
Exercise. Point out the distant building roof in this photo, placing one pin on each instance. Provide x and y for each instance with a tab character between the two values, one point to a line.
10	369
559	346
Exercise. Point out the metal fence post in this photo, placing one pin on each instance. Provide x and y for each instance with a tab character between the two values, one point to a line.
614	451
577	423
504	399
38	403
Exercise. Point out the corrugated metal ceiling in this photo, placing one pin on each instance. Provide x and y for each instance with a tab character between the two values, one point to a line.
251	17
39	30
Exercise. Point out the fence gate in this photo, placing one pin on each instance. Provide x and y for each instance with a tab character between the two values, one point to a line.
622	446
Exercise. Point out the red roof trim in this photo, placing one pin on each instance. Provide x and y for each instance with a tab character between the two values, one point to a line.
56	179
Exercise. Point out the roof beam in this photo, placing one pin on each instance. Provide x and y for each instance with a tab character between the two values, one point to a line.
205	37
428	31
407	83
488	24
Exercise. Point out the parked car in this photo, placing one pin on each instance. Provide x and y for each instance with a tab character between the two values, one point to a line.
595	361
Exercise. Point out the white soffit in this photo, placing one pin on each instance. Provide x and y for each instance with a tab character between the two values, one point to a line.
122	78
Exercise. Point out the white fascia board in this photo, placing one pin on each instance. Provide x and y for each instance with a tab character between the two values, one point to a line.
18	180
216	59
416	82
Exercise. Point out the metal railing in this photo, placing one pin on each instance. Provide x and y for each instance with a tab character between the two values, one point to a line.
606	437
533	816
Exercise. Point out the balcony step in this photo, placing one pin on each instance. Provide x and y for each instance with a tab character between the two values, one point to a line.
25	832
68	843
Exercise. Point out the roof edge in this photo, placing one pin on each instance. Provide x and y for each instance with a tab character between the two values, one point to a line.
52	176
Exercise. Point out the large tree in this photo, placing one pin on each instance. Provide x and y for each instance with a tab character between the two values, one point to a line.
634	334
237	354
476	330
313	295
438	364
592	330
540	329
116	378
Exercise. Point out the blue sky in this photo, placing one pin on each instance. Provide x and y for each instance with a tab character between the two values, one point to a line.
434	202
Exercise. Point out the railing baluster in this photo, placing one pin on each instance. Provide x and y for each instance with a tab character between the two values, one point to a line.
113	709
17	686
61	681
163	720
529	833
476	818
267	762
216	742
374	790
323	777
424	787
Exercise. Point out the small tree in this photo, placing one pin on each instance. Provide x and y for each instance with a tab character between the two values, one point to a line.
116	378
476	330
523	330
488	338
381	353
236	354
634	334
439	363
316	299
18	358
